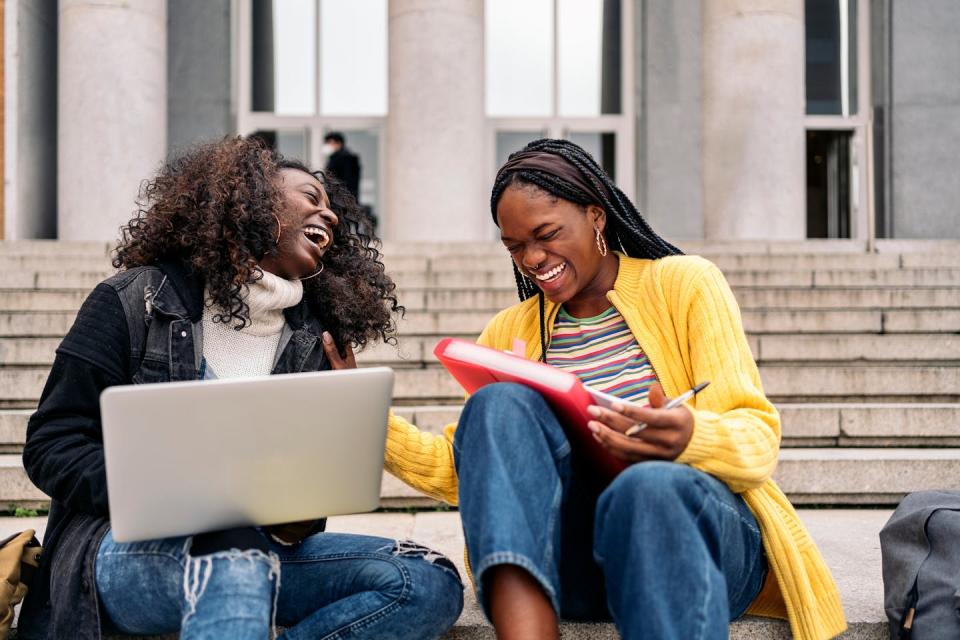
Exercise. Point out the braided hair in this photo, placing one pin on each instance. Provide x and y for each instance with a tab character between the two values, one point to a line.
625	228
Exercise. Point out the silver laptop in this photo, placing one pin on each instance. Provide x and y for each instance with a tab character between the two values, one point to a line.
188	457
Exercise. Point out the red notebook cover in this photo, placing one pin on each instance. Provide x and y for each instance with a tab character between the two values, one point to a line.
475	366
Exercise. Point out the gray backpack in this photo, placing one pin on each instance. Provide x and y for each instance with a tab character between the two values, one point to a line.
920	545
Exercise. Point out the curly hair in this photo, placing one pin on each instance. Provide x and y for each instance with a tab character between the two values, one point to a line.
213	208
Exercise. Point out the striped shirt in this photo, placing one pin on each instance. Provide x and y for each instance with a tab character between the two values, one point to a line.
603	353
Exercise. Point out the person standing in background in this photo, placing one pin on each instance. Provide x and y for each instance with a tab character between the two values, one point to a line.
342	163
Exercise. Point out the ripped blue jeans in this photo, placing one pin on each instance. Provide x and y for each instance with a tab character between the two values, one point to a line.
331	585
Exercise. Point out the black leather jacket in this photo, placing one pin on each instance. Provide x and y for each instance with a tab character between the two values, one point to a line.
139	326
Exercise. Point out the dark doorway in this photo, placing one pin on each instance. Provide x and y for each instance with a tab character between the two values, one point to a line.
828	184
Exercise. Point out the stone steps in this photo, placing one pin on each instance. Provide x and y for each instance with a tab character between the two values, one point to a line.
417	351
822	476
20	387
77	277
54	248
934	277
494	299
738	249
848	540
786	298
861	353
470	323
818	476
883	476
804	425
494	258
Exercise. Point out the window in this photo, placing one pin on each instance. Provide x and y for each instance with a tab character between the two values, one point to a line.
557	68
309	67
837	90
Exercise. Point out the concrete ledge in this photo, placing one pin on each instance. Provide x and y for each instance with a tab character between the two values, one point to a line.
494	299
858	347
392	248
848	540
823	476
817	476
848	298
54	248
812	425
15	324
20	386
840	476
824	381
462	273
417	351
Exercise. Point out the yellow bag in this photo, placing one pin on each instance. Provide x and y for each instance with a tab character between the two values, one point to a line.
19	560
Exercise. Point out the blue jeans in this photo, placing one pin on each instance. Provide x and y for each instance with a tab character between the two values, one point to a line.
331	585
665	550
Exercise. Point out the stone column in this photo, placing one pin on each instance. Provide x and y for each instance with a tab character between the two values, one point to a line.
436	160
753	108
112	113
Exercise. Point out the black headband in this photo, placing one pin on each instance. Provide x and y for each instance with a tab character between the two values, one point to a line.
557	166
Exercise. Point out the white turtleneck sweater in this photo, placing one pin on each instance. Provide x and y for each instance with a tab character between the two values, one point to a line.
251	351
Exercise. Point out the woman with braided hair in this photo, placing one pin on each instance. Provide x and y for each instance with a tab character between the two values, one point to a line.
693	533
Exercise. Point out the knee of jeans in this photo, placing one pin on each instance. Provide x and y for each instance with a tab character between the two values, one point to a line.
424	558
244	571
500	407
653	486
502	395
397	576
437	587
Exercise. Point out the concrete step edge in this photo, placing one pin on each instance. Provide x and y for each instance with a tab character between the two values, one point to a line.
846	538
829	476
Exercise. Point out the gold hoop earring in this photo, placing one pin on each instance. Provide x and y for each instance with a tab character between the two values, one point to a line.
601	242
312	275
279	228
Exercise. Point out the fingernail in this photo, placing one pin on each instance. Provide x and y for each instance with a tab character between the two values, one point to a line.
594	426
594	411
327	337
616	406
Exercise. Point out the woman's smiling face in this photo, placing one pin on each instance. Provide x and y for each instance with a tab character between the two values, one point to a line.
553	242
306	226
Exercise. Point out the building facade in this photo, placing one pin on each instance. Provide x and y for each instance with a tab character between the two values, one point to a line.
722	119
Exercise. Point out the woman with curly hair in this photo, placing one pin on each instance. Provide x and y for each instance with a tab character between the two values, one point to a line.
238	263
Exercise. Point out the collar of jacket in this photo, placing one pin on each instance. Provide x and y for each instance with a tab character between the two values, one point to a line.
299	316
182	296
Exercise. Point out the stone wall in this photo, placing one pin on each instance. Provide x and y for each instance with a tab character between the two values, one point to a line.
198	71
925	119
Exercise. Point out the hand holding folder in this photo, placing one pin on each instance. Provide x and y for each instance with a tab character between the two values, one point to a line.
475	366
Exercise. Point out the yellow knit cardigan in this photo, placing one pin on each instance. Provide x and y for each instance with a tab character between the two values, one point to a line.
684	316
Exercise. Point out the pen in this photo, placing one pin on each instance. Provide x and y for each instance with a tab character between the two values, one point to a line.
673	404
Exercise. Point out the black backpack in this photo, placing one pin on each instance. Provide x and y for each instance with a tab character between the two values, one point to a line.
920	545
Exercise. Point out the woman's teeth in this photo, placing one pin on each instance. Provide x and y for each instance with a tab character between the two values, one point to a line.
317	235
553	274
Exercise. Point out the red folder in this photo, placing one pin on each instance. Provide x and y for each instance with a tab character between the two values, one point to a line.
475	366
